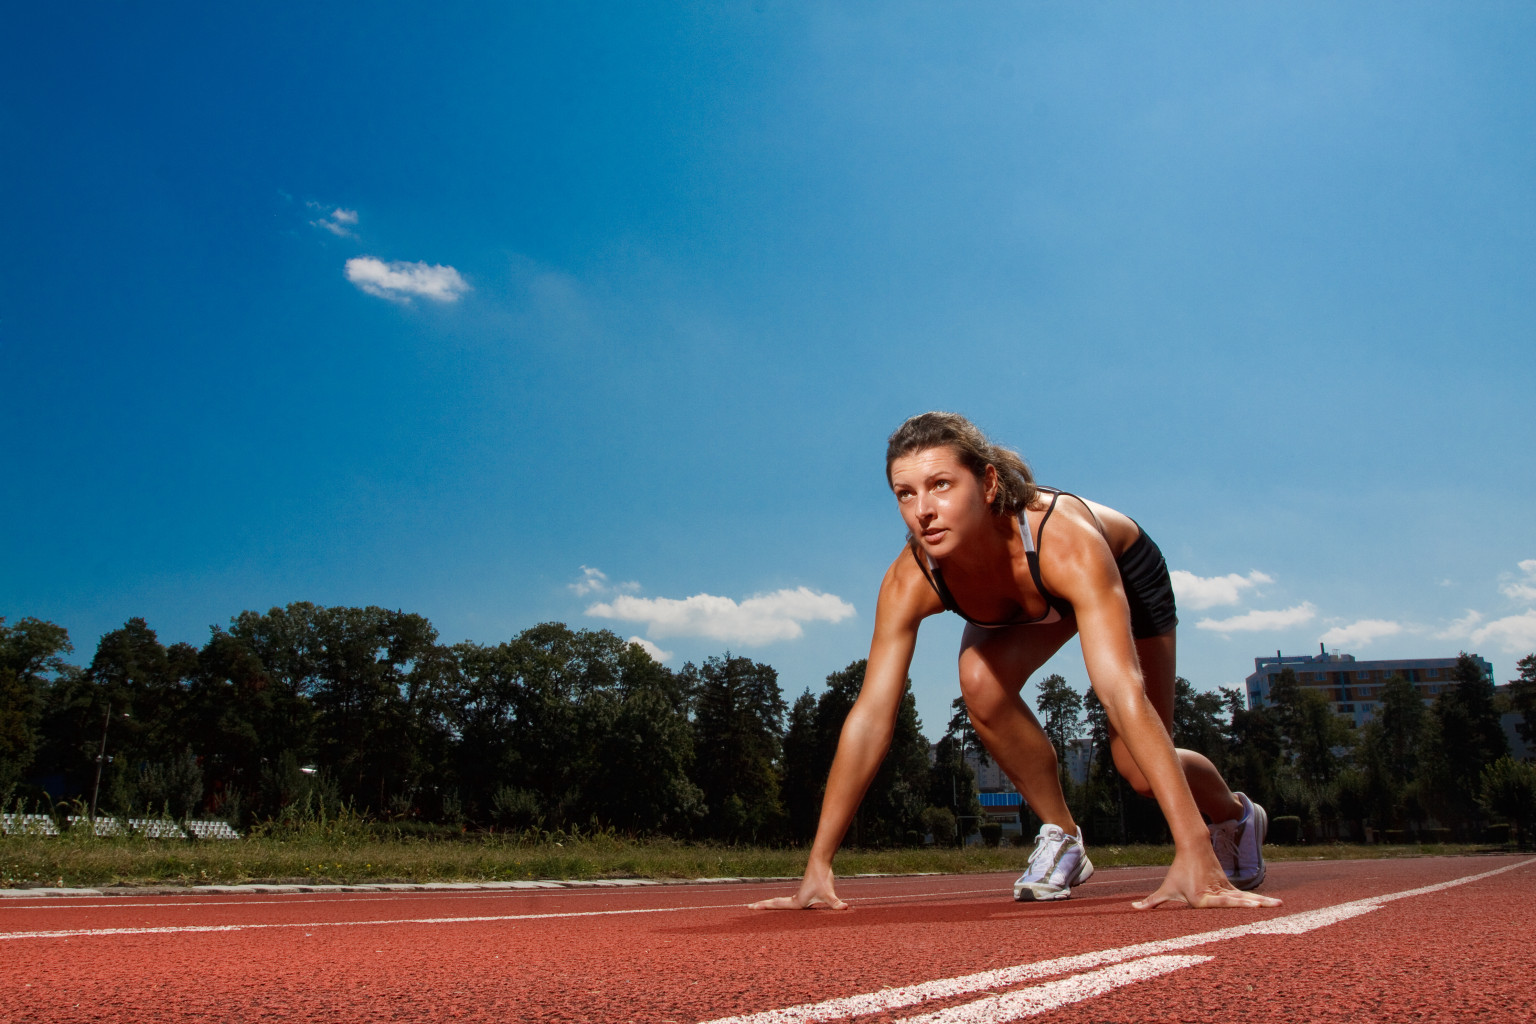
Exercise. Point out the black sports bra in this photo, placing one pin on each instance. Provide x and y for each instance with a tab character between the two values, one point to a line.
1055	607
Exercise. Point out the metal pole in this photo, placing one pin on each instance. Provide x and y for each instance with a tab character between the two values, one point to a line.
100	758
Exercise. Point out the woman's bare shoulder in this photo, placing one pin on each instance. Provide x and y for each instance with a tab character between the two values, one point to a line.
905	593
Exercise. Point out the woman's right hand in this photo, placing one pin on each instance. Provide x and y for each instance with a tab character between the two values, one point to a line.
815	890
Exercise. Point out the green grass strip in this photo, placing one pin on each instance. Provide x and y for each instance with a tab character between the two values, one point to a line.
356	859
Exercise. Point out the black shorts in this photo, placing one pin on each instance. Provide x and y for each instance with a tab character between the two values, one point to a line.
1148	589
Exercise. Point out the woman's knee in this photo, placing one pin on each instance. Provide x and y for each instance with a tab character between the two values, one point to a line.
984	694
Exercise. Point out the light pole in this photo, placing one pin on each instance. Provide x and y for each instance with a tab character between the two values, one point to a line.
101	758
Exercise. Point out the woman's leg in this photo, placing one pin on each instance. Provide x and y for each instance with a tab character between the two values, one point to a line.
994	665
1158	659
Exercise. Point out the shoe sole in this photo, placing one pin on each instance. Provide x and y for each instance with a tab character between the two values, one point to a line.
1261	819
1025	894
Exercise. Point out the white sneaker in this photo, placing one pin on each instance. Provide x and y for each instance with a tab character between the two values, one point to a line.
1057	863
1239	844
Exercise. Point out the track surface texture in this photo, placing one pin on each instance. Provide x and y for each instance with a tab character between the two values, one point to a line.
1438	939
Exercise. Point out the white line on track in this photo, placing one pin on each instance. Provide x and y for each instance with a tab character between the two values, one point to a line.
1028	1002
478	919
890	999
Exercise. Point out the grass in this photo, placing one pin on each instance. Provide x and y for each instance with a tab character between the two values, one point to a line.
359	855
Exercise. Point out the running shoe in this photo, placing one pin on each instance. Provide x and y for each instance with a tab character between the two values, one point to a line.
1239	844
1057	863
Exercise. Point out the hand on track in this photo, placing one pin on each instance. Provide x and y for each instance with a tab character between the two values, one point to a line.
1202	885
815	891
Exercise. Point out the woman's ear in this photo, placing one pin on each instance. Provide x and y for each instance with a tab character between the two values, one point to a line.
989	484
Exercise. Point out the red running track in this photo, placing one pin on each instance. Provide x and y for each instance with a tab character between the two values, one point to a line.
1428	939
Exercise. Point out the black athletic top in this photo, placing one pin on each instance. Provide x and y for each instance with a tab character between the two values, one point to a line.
1055	607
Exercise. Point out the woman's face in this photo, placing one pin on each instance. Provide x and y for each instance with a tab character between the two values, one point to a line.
941	500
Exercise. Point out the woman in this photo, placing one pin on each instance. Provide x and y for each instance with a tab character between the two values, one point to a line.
978	542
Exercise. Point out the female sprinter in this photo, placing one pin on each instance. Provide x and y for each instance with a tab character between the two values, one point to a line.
1028	567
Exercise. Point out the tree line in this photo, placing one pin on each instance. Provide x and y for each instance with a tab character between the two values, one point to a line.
1436	770
316	708
306	708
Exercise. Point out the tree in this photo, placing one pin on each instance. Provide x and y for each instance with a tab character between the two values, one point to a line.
1522	699
1254	745
738	729
952	785
803	779
1061	713
645	751
891	811
1197	721
1465	738
31	658
1509	790
1309	730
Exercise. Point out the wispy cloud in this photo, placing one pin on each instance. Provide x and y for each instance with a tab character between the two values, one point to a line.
339	221
1361	633
398	281
1209	591
1260	621
1462	628
1516	634
1524	587
595	581
655	652
761	619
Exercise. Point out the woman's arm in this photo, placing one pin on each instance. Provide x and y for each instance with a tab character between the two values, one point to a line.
866	734
1083	571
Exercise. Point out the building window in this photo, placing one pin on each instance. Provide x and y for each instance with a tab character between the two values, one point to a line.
1433	673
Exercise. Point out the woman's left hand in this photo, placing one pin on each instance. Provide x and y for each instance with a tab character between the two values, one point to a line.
1201	885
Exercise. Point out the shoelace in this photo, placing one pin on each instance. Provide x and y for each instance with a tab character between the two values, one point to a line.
1041	857
1224	839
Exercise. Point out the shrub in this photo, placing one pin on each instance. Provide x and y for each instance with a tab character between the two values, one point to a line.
991	833
1285	830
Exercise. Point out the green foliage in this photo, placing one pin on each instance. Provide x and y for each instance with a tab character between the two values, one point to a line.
941	824
1509	791
1463	737
1061	716
1522	699
31	658
952	785
1197	721
737	730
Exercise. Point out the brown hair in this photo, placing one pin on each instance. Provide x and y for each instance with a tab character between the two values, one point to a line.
1015	483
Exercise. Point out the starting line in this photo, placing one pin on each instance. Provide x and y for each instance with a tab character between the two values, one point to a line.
1149	959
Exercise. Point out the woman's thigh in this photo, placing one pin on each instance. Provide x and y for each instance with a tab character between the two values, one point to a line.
995	663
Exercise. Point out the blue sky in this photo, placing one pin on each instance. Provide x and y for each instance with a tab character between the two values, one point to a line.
602	312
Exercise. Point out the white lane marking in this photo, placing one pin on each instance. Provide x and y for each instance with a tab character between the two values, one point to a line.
1027	1002
948	988
190	901
174	929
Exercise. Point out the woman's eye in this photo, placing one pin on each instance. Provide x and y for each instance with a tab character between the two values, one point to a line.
942	485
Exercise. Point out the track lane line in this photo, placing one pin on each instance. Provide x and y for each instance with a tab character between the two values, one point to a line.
1053	995
890	999
477	919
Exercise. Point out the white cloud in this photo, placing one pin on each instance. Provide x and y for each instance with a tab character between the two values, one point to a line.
398	281
338	222
595	581
1516	634
762	619
1521	589
1361	633
1258	621
1208	591
655	652
1462	628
